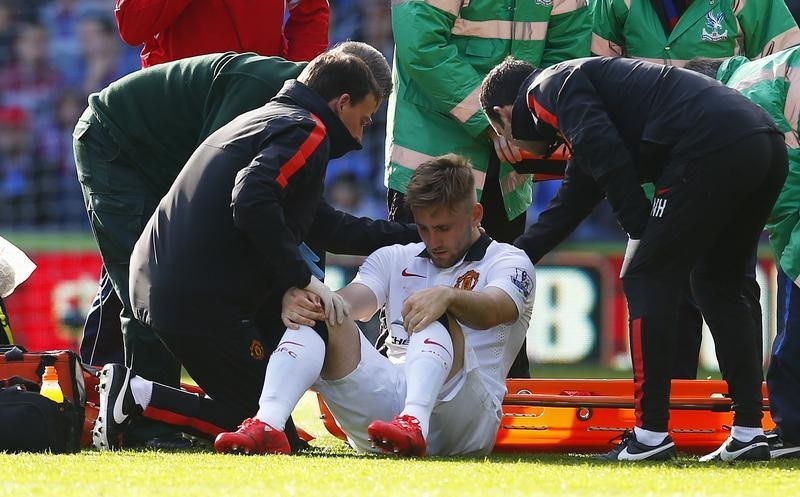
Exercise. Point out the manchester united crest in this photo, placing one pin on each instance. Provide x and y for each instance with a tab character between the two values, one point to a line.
468	280
257	350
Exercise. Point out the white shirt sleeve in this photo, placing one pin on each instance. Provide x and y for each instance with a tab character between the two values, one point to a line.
375	272
513	273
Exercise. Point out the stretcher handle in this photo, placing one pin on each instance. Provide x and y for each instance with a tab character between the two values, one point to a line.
716	404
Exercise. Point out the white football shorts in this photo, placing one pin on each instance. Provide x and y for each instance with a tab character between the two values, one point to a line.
464	421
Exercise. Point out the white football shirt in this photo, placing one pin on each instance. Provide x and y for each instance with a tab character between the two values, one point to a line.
394	273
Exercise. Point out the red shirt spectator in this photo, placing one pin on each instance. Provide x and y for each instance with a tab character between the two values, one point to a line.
175	29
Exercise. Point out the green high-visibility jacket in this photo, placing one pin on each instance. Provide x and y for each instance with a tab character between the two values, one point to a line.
708	28
773	83
444	48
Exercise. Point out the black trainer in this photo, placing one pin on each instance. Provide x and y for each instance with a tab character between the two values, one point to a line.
780	448
732	449
117	406
631	449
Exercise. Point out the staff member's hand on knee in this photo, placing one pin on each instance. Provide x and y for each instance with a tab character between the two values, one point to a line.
334	305
301	307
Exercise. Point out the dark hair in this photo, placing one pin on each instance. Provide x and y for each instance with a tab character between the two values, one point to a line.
501	85
334	74
373	59
705	66
446	180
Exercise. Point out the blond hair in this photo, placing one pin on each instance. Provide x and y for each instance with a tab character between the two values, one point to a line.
446	180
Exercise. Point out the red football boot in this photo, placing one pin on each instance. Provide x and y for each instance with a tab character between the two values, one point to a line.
401	436
253	437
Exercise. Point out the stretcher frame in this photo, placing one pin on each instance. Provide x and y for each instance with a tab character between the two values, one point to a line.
589	415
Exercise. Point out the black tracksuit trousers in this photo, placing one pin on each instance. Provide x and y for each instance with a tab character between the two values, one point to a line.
704	227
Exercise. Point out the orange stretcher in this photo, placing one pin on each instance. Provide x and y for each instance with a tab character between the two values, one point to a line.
585	416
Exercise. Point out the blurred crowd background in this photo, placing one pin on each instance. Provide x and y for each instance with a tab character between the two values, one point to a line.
54	53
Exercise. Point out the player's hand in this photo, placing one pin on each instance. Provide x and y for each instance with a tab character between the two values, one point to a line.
630	251
334	305
301	307
424	307
505	150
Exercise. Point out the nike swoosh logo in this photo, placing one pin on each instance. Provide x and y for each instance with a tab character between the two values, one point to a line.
119	416
431	342
776	453
727	455
406	273
662	191
627	456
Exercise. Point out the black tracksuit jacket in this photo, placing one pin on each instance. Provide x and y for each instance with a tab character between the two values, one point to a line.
223	242
626	122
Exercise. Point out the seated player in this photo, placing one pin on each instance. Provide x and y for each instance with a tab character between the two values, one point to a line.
459	305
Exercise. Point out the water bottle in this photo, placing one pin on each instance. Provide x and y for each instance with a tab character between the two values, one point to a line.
50	387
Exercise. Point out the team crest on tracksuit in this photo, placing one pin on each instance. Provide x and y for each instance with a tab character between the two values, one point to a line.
714	22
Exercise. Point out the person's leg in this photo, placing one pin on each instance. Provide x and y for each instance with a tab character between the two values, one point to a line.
102	335
690	326
783	374
429	361
696	208
119	203
689	336
719	283
499	227
228	367
434	367
301	357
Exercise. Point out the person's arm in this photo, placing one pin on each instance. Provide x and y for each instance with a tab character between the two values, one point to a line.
140	20
569	102
306	30
338	232
424	53
508	292
767	27
362	301
573	202
608	21
479	310
301	306
259	191
569	32
369	290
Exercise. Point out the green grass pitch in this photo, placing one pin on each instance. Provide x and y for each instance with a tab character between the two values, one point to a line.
332	469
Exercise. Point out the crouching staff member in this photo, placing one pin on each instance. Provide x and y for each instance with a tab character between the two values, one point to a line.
224	242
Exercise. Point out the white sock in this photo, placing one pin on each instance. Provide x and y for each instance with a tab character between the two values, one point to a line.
745	433
142	391
292	369
428	362
648	437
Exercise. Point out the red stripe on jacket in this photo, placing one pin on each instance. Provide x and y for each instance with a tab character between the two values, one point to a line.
543	114
308	147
